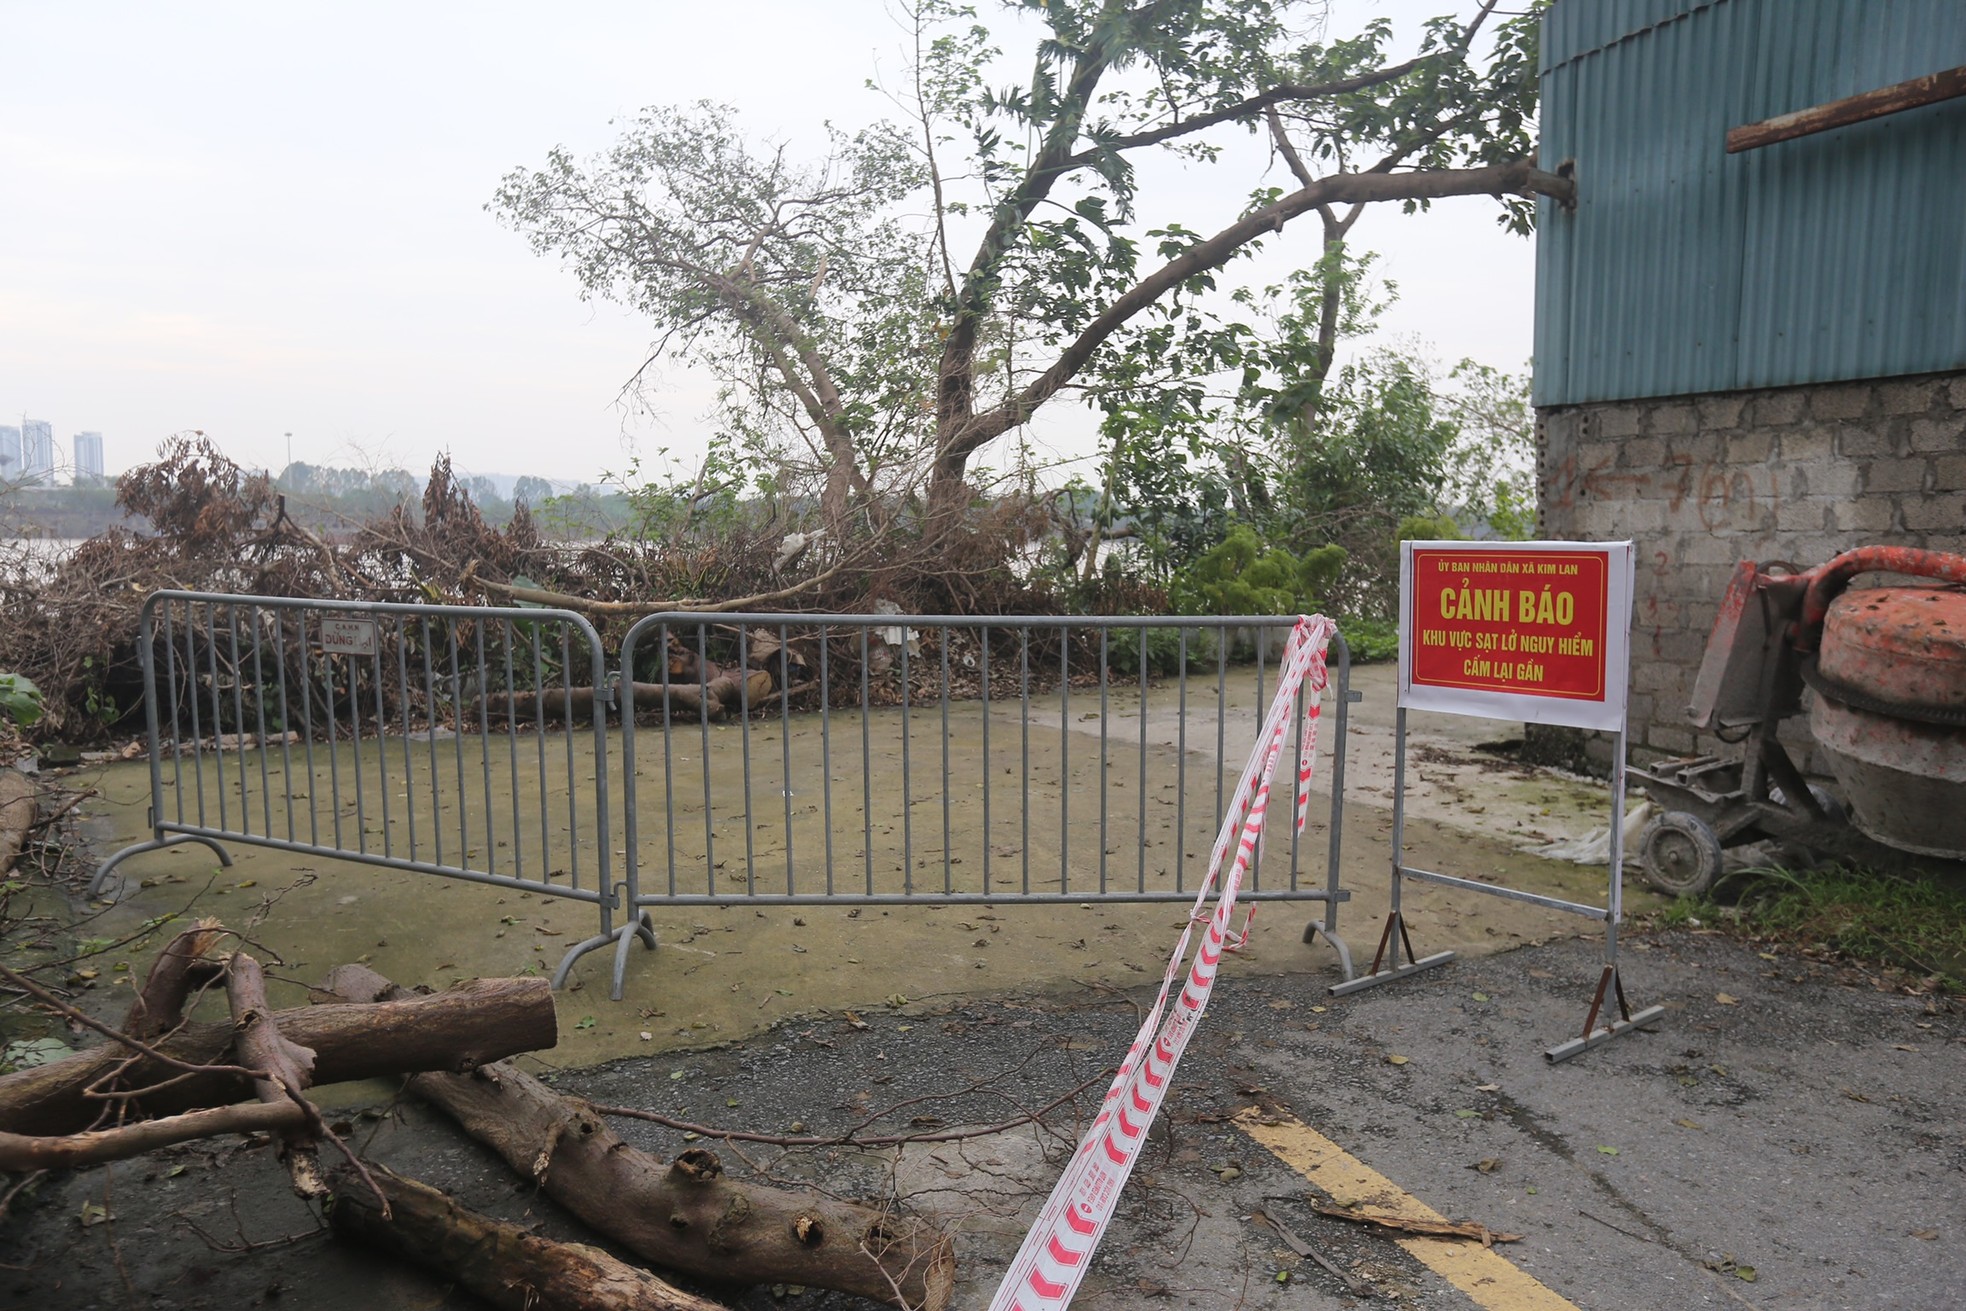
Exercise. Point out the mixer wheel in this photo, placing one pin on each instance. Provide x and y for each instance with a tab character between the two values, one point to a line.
1681	854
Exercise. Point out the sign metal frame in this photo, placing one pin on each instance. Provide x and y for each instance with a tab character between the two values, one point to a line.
1490	683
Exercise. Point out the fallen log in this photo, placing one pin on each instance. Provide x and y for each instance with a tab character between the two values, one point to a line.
289	1068
686	1214
501	1263
458	1029
71	1151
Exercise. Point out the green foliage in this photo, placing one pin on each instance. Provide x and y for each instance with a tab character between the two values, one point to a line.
1912	922
1166	652
1370	640
20	700
1242	576
1429	528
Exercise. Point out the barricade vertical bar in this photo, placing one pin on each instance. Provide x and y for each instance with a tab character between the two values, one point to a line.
484	737
238	720
508	638
668	754
1329	929
866	766
306	667
409	722
1255	881
983	664
1297	709
286	722
1105	717
458	722
147	662
826	745
353	668
703	730
573	781
1064	760
334	745
1221	715
430	713
1140	802
192	696
538	645
597	680
177	732
259	717
218	710
907	775
382	747
744	733
1024	720
785	743
1181	766
948	860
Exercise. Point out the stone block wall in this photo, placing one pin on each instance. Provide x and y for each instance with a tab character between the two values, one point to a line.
1699	483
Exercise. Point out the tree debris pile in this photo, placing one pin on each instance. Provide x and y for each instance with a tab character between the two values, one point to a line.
165	1077
70	623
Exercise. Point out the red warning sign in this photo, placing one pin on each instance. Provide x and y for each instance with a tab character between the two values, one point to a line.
1547	621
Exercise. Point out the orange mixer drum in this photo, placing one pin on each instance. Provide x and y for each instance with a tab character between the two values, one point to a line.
1890	713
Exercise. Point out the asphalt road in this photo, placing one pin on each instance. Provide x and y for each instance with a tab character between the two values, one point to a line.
1788	1137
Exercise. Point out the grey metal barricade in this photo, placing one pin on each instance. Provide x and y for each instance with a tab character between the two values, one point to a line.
753	799
438	739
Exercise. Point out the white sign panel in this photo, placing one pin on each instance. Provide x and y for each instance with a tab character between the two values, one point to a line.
348	637
1536	631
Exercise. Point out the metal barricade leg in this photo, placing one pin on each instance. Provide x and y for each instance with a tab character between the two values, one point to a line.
158	843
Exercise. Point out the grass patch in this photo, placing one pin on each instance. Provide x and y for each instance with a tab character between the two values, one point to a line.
1909	922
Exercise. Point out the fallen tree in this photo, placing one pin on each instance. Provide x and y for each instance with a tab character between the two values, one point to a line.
686	1214
186	1067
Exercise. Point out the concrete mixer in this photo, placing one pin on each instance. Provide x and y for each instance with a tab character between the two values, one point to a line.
1887	667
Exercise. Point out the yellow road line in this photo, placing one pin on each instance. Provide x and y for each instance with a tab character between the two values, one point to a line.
1480	1272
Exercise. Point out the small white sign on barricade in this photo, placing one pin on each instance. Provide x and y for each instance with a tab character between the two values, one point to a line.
348	637
1532	631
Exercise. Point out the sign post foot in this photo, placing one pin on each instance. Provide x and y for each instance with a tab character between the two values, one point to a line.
1596	1036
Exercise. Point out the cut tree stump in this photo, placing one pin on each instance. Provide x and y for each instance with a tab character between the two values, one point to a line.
502	1263
458	1029
687	1214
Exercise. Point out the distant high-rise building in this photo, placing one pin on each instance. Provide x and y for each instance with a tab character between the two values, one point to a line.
85	452
9	452
37	449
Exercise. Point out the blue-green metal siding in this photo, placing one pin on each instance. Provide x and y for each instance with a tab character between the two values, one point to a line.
1684	269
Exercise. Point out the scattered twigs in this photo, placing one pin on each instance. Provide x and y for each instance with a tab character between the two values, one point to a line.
851	1138
69	803
1415	1225
1302	1247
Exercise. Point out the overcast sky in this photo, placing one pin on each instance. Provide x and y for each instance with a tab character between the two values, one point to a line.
259	219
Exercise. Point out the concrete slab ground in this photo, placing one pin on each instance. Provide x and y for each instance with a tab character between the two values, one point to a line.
725	971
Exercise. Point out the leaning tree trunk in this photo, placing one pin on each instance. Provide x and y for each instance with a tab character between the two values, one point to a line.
686	1215
502	1263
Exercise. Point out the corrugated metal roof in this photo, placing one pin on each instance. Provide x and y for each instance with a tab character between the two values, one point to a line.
1684	269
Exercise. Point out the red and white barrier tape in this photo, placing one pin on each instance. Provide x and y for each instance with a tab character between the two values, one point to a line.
1057	1250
